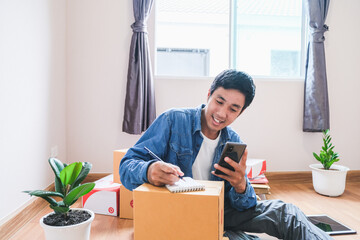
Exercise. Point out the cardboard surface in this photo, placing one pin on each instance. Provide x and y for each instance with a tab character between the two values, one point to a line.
126	196
159	214
118	155
126	203
104	198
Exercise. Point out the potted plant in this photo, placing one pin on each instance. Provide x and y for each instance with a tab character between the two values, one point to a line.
66	223
328	178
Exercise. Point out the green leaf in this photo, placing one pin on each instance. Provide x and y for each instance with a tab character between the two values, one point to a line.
69	174
42	193
59	186
84	172
325	145
46	195
316	156
323	155
57	166
78	192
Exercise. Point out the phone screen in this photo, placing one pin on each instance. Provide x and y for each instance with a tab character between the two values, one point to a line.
232	150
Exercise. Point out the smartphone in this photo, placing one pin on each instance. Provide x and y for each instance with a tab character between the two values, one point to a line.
233	150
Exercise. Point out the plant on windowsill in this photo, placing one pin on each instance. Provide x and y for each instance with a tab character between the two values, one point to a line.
68	189
328	178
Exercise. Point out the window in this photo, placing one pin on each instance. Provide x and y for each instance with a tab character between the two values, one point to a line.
183	61
204	37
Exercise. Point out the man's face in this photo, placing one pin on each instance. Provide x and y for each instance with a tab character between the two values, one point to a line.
222	108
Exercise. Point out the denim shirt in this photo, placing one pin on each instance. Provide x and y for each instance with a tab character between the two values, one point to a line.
175	137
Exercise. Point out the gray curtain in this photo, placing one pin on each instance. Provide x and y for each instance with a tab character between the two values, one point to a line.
316	103
139	110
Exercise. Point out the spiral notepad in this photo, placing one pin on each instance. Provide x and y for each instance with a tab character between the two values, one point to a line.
187	184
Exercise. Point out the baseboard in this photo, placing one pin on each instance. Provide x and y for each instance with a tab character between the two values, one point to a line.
353	176
304	176
10	227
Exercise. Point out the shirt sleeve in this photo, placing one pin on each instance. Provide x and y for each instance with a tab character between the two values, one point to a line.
134	165
242	201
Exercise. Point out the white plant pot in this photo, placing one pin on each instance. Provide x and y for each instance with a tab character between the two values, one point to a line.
79	231
329	182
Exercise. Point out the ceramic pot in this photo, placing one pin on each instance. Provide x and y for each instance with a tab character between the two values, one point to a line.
329	182
79	231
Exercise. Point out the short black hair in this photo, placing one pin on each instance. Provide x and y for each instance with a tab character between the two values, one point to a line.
232	79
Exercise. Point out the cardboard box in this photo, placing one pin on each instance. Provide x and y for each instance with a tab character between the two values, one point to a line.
161	215
126	196
255	167
126	203
118	155
104	198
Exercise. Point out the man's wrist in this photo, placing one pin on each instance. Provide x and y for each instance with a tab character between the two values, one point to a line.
148	172
241	188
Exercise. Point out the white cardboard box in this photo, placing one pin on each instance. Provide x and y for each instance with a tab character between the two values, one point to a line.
255	167
104	198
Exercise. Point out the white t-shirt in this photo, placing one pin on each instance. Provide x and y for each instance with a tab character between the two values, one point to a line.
203	162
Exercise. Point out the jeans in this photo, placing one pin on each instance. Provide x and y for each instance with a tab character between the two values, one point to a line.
273	217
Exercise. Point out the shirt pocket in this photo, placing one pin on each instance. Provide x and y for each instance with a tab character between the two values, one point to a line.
183	156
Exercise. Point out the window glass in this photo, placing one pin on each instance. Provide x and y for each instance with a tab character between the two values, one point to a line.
267	37
192	37
204	37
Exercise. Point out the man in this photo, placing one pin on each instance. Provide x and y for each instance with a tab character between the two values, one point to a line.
190	142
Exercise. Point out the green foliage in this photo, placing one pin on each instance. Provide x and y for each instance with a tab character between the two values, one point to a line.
68	185
327	156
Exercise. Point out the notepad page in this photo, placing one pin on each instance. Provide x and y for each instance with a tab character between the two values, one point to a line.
186	184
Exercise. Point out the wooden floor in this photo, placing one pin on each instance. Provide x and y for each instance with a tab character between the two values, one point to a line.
345	208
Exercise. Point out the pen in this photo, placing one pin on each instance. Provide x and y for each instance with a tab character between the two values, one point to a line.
155	156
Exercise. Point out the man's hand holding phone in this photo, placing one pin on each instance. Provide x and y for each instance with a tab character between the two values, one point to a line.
237	177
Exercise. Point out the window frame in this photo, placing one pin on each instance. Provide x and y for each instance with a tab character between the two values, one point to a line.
231	62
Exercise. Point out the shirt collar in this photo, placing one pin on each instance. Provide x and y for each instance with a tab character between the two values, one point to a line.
197	119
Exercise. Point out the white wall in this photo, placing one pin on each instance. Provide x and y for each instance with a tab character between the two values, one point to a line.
32	96
99	38
98	33
98	49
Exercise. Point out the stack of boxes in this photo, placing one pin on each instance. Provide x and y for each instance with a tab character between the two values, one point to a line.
159	214
110	197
